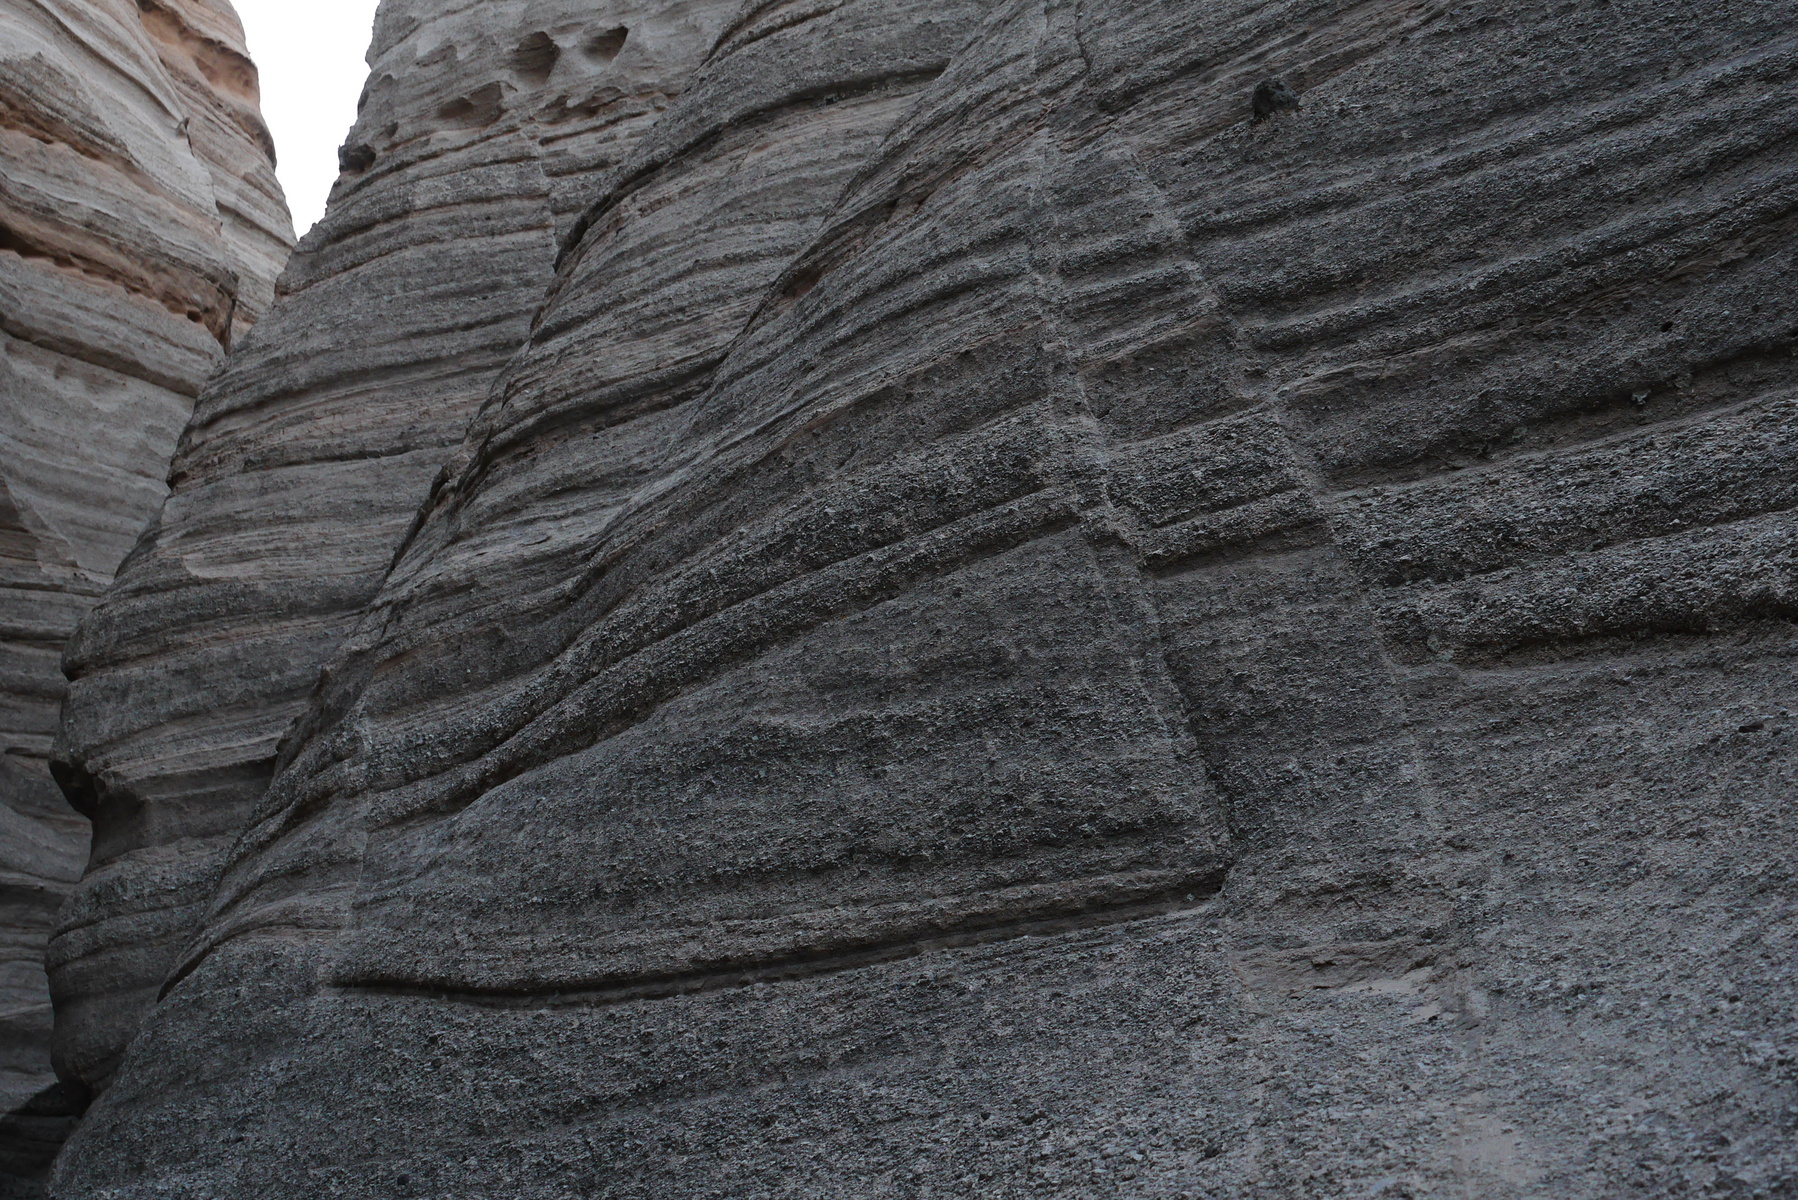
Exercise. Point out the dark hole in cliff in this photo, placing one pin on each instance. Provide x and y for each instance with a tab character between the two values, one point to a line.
79	788
479	107
355	159
604	46
535	58
804	282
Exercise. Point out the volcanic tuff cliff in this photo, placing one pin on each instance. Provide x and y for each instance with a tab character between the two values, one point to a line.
480	132
141	228
1005	629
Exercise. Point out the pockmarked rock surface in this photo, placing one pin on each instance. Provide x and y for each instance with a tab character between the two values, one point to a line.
141	229
309	455
1011	628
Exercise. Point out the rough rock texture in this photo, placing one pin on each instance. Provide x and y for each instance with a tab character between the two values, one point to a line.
141	227
1014	630
309	454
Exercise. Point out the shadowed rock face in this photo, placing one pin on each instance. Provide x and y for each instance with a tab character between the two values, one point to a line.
1012	629
141	228
308	456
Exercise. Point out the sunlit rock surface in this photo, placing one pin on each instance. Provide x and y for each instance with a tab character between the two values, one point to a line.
141	229
1016	626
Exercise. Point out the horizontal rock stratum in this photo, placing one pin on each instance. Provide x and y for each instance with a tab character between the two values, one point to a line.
961	604
141	229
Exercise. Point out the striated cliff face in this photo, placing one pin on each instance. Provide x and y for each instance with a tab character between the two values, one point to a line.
308	456
1009	629
141	228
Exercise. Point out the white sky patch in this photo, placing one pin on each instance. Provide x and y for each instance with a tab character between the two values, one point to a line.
309	54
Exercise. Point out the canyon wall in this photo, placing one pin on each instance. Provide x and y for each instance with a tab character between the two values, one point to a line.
141	229
1011	626
307	457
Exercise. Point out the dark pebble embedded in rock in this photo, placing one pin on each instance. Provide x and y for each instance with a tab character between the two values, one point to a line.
1273	96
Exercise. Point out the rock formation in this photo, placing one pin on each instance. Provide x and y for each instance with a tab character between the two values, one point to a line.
141	228
309	455
1014	625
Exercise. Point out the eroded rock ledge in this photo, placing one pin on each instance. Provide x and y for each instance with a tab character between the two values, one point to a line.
1011	625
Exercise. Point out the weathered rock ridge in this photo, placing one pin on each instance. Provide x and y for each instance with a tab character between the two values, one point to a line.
1007	628
141	229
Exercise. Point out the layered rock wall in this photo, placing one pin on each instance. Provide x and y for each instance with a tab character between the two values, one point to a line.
141	229
1012	629
308	456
